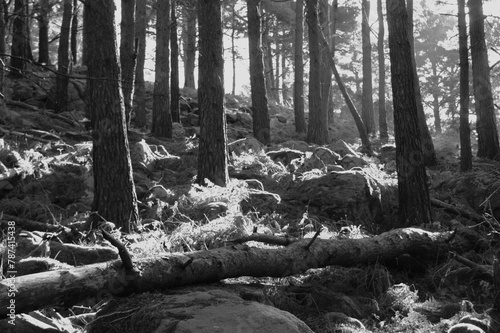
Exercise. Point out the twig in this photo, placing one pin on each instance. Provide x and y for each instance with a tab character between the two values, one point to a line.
313	239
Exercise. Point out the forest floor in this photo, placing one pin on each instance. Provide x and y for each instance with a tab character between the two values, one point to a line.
46	177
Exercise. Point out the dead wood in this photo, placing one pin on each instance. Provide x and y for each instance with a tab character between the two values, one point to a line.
30	225
457	210
103	280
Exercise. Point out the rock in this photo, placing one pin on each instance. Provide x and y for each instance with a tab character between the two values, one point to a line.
285	155
351	161
320	158
21	91
343	148
178	131
238	118
245	145
465	328
340	320
481	323
297	145
350	195
281	118
197	311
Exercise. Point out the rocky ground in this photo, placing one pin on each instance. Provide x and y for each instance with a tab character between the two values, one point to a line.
289	188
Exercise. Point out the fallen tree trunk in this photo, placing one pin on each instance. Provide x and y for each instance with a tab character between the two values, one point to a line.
103	280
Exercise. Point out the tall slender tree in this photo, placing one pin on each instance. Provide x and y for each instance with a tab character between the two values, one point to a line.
465	145
317	131
162	117
427	144
140	84
189	42
74	32
212	157
261	122
128	54
63	63
326	70
414	201
174	71
2	31
115	199
368	116
19	48
382	114
298	73
43	32
487	135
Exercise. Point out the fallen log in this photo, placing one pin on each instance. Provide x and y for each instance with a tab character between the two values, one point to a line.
104	280
457	210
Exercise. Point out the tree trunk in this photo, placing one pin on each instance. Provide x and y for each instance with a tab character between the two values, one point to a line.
74	33
162	117
105	280
140	85
115	199
174	61
435	96
127	54
189	38
414	201
43	32
352	108
326	70
368	117
261	122
465	145
427	144
233	47
317	131
3	49
277	65
212	157
19	40
382	114
62	79
298	81
487	135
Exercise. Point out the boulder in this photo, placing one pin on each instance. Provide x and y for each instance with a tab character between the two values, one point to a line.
321	157
21	91
245	145
196	311
298	145
351	161
343	148
351	195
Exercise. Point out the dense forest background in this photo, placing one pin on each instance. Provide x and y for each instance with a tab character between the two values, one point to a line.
333	159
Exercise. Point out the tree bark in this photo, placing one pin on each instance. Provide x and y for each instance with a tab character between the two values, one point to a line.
212	157
140	85
174	61
487	135
427	144
104	280
189	38
465	145
115	199
19	41
367	100
326	70
74	33
2	34
162	117
414	201
261	122
317	131
435	96
127	54
62	79
298	82
43	32
382	114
